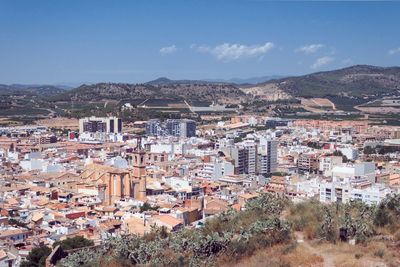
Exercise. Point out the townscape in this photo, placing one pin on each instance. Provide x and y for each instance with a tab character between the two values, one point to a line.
246	133
100	182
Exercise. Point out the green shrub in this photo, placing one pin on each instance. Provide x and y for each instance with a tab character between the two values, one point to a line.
73	243
37	257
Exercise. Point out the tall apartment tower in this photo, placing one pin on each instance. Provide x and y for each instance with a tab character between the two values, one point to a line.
245	157
187	128
172	127
267	156
154	127
250	158
100	124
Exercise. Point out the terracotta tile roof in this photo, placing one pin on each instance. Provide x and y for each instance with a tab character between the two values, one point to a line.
167	219
237	207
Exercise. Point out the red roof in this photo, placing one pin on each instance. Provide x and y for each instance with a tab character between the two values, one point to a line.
4	212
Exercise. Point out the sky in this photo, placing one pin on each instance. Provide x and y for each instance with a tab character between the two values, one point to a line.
77	41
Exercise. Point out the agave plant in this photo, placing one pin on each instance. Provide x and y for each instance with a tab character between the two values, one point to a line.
327	227
267	203
82	257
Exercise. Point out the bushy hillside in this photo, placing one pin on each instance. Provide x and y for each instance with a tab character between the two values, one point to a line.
30	90
355	81
268	222
223	93
346	88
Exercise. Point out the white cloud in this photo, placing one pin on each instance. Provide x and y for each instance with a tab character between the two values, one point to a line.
310	49
229	52
168	50
322	61
394	51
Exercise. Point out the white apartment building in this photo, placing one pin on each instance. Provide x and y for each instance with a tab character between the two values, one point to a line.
350	152
351	172
217	169
344	192
371	195
308	187
353	182
327	163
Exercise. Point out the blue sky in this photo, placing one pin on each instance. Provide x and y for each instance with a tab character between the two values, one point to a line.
73	41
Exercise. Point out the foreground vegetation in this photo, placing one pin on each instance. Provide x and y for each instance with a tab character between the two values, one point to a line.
37	257
267	228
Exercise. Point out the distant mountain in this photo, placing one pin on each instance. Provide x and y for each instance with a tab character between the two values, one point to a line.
160	81
345	87
355	81
25	89
252	80
166	81
238	81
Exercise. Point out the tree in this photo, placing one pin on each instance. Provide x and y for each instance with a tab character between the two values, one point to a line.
381	216
37	257
146	207
73	243
327	227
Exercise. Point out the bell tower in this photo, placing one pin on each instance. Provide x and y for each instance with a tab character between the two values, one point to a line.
139	163
139	169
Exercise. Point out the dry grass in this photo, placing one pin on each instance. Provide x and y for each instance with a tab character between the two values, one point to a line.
317	105
59	123
366	255
316	254
278	257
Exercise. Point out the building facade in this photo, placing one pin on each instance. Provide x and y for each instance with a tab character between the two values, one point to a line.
100	124
172	127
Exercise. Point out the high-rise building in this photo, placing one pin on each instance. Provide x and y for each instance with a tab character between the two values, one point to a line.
267	156
100	124
171	127
252	157
188	128
154	127
245	157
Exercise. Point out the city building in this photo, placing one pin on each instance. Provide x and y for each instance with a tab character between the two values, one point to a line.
308	162
100	124
182	128
267	156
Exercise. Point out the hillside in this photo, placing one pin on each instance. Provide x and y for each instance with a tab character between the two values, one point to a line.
21	101
344	90
31	90
158	89
270	231
355	81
